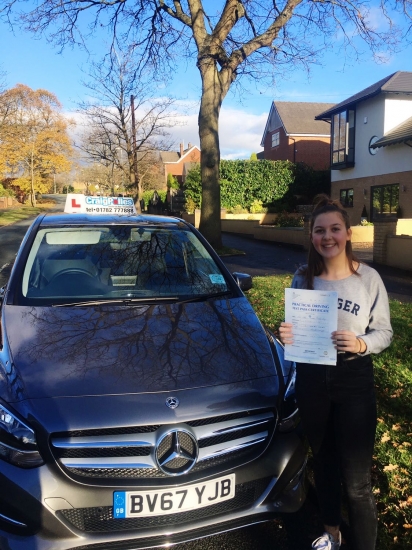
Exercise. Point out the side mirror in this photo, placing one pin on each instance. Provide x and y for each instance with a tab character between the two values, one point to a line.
243	280
2	293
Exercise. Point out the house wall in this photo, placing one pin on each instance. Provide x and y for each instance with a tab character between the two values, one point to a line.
380	115
391	164
176	168
313	151
359	185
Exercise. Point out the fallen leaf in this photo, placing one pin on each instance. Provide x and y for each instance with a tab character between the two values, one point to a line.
385	438
390	468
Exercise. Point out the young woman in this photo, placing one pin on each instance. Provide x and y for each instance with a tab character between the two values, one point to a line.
337	403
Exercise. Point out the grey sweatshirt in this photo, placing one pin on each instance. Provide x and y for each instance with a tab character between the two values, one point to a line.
363	306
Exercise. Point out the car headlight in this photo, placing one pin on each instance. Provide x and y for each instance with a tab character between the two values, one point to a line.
290	412
17	441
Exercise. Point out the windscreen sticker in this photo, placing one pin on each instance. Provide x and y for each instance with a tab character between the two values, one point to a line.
217	279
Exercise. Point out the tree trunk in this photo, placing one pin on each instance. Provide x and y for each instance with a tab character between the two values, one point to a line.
210	105
33	195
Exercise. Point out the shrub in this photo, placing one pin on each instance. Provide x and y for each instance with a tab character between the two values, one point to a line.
257	207
6	192
243	181
306	184
148	195
193	186
238	209
286	220
190	205
172	182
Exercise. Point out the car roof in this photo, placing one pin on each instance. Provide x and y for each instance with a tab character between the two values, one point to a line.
109	219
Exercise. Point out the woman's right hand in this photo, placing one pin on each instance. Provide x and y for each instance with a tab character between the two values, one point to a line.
285	333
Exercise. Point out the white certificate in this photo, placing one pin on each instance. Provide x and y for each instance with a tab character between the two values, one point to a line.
314	316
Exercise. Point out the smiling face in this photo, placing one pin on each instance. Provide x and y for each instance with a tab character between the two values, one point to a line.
330	235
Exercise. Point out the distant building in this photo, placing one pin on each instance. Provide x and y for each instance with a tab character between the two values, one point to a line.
178	162
371	149
293	134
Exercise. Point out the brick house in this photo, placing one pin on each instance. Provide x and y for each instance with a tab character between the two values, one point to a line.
292	133
371	149
176	162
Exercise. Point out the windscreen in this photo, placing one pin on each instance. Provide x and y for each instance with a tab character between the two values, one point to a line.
116	261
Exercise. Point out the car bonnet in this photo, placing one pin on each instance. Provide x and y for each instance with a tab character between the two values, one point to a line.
101	349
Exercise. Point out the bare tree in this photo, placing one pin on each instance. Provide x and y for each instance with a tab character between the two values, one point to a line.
109	134
226	39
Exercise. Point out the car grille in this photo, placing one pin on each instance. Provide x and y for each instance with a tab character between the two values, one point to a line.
130	453
99	520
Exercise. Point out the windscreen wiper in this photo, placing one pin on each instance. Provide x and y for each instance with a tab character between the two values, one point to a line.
203	297
122	301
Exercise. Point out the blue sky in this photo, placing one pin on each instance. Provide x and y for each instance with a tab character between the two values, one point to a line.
36	63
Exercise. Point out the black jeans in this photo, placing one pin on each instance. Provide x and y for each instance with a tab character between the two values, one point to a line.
338	409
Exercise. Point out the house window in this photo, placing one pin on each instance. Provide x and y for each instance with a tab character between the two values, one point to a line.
343	140
346	197
385	201
275	139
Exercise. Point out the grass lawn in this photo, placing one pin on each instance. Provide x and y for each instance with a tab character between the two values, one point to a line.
21	212
392	468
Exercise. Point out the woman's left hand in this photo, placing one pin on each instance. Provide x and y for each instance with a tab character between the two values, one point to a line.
345	340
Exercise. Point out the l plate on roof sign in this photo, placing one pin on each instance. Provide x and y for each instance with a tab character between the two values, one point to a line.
82	204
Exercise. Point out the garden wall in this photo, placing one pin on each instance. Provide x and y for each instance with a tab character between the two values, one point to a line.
258	226
288	235
399	252
194	219
392	245
6	202
392	240
404	227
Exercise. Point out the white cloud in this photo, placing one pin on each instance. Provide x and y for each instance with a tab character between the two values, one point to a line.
240	132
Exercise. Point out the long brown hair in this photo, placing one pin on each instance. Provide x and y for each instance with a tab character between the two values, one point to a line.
322	205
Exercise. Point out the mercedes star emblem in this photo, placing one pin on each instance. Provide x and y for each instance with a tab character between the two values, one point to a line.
176	452
172	402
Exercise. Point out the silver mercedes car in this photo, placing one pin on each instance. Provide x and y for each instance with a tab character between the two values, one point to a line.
142	402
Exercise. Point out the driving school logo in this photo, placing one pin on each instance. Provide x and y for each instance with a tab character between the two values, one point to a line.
109	201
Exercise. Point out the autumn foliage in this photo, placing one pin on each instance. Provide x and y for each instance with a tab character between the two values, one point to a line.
34	140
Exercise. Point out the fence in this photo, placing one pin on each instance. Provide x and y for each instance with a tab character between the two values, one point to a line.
6	202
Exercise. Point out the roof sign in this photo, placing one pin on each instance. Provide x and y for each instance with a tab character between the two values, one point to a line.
82	204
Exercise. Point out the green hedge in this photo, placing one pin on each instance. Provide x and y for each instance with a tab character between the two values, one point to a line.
278	185
243	182
148	195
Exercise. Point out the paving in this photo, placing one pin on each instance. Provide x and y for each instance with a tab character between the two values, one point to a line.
262	258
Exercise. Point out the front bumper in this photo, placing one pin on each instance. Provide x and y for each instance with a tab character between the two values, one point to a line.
82	517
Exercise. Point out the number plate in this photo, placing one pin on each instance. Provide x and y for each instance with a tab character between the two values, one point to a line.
130	504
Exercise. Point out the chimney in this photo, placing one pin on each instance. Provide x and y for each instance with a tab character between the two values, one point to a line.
181	149
189	145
